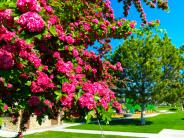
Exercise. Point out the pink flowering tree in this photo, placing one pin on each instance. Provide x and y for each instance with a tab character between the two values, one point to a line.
45	64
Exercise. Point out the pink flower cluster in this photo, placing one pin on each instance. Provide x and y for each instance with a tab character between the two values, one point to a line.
42	83
6	18
48	103
68	88
103	92
31	21
64	67
67	101
32	57
5	107
5	35
33	101
118	106
67	38
28	5
6	60
87	100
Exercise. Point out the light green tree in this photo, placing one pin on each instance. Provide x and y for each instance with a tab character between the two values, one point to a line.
147	64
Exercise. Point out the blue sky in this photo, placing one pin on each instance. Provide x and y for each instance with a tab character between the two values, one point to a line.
172	21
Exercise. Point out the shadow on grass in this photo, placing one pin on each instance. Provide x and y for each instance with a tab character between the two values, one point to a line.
173	109
132	122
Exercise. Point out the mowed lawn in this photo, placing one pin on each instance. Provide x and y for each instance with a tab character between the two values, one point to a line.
153	124
53	134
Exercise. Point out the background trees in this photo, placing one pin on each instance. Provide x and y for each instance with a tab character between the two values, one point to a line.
147	64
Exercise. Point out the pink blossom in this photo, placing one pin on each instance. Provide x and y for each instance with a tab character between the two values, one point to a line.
6	35
68	88
75	52
59	30
118	106
56	55
33	101
132	24
80	61
33	58
119	24
48	103
94	71
87	67
6	60
104	103
67	101
95	21
5	107
78	69
64	67
31	21
113	28
52	20
28	5
49	9
9	86
87	100
42	83
6	18
69	39
86	26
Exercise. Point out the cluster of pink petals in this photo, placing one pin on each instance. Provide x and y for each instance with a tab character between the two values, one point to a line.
6	35
118	106
48	103
78	69
75	52
31	21
67	101
5	15
104	93
33	101
119	67
5	107
68	88
104	103
67	38
64	67
87	100
6	60
42	83
132	24
96	87
32	57
28	5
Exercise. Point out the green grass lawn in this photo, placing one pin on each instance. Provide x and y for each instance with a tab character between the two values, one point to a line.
1	120
173	109
153	124
52	134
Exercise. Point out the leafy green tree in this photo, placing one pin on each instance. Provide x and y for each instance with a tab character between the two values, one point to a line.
146	64
171	87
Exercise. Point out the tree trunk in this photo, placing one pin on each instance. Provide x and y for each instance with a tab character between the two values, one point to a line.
182	106
142	114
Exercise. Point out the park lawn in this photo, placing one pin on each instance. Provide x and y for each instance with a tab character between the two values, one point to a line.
1	120
168	108
153	124
54	134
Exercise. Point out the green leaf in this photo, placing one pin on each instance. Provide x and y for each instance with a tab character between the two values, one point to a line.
28	83
89	116
39	36
53	30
